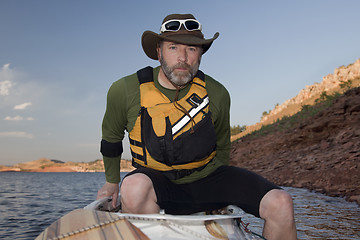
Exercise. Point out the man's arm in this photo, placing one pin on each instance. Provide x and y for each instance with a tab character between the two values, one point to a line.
113	128
220	107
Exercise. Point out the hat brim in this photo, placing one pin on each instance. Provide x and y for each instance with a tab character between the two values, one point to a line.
150	42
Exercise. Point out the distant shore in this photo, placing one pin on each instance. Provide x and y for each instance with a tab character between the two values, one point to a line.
47	165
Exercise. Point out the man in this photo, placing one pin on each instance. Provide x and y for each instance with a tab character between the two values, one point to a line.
178	123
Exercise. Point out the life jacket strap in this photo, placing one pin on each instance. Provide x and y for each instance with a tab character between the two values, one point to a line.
145	75
174	174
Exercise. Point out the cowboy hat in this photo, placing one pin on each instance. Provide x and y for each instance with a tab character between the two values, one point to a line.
150	40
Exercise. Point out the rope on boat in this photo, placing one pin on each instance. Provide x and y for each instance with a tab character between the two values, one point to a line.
245	226
81	230
173	224
102	224
88	228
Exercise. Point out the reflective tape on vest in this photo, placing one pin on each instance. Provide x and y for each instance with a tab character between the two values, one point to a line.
185	120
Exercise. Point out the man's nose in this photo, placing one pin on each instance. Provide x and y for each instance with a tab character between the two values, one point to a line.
182	57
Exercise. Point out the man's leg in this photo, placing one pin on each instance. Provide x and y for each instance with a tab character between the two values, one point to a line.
138	195
254	194
276	208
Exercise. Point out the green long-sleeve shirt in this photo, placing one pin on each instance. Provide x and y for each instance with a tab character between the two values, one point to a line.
123	106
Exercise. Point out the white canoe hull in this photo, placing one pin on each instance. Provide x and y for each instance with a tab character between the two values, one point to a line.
93	222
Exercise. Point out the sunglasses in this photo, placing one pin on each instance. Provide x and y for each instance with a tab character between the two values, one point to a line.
174	25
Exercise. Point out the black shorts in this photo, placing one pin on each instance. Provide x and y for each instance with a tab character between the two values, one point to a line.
227	185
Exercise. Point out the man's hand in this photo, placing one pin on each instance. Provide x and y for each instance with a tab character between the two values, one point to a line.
109	189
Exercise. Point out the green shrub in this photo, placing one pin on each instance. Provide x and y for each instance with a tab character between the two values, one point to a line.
237	129
346	85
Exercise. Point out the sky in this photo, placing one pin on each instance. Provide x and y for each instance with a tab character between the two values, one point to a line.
59	58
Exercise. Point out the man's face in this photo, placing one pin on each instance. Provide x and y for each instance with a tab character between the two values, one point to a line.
179	62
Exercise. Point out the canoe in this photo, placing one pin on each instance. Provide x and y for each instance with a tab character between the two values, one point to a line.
99	221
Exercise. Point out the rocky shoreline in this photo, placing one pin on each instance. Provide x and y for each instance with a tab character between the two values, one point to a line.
321	153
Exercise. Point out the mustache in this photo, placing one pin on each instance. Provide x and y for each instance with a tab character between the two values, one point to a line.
182	65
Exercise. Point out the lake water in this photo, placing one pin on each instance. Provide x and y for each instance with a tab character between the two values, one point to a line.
30	202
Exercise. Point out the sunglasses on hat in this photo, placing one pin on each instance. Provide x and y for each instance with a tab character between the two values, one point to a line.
174	25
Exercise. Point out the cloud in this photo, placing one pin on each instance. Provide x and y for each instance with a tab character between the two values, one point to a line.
6	78
18	118
4	87
22	106
17	89
16	134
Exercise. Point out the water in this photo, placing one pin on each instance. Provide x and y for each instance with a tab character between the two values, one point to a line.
30	202
318	216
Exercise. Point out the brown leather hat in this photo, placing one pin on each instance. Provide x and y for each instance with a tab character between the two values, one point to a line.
150	39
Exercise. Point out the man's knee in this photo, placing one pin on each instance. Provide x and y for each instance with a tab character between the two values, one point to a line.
134	190
276	208
135	184
276	203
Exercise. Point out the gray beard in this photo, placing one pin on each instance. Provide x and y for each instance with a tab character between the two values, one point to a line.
179	79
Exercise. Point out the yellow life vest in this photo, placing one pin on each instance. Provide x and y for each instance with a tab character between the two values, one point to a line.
165	138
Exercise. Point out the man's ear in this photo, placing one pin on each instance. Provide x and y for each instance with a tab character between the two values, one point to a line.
158	50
